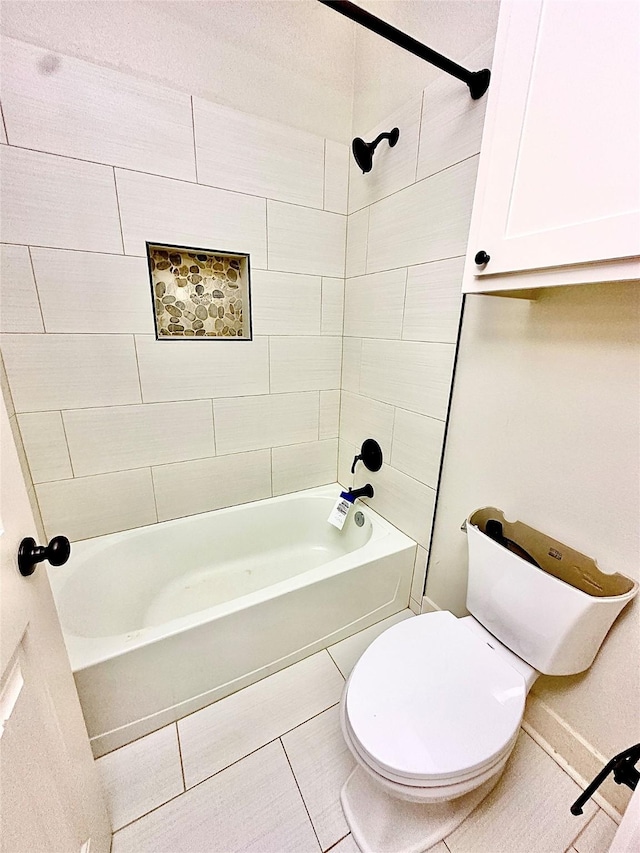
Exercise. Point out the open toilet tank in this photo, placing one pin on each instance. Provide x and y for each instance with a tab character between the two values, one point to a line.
555	614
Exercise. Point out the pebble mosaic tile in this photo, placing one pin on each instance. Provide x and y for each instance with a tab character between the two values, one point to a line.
198	293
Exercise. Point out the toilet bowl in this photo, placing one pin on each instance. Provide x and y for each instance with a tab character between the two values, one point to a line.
432	710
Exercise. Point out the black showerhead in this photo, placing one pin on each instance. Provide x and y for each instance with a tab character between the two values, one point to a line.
363	151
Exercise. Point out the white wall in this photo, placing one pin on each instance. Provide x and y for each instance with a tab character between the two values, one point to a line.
119	429
545	425
287	60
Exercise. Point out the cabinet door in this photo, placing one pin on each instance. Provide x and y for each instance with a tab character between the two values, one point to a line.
559	176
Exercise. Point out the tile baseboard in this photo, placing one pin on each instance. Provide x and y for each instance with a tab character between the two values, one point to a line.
573	754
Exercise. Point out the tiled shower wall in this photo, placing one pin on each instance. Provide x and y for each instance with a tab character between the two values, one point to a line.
407	234
121	430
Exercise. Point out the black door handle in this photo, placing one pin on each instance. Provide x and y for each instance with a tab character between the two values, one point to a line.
482	258
29	554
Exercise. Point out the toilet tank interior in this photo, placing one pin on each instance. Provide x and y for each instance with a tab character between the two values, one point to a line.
546	602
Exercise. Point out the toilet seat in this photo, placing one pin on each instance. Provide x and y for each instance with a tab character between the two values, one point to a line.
432	704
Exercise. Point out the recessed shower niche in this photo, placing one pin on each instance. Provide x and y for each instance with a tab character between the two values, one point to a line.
199	293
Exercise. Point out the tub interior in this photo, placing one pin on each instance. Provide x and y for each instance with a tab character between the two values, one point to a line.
194	563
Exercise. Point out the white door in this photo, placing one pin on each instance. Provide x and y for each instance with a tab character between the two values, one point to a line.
559	175
50	797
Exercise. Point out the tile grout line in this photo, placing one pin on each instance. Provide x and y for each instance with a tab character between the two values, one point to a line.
115	185
66	441
333	661
415	178
4	124
295	779
184	781
35	284
333	846
193	132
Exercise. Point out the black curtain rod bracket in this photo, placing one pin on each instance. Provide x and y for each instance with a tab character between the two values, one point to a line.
477	81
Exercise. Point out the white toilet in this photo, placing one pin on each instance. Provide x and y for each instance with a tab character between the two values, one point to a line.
432	709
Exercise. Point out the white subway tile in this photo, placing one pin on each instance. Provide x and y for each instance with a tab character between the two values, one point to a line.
45	445
403	501
54	201
71	371
162	210
393	168
305	241
253	155
122	437
332	305
329	414
92	506
19	308
336	176
252	423
91	292
413	375
357	236
305	364
425	222
222	733
141	776
285	304
68	106
374	305
351	364
186	488
302	466
181	370
433	301
417	446
451	127
362	417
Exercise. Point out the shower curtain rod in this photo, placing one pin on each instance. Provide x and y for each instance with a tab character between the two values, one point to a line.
477	81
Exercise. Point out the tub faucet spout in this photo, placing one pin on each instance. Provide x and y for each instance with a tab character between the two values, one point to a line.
363	492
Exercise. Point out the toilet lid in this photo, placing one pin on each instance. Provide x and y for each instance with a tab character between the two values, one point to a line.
431	700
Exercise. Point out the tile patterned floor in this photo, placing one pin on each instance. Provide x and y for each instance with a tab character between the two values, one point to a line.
262	771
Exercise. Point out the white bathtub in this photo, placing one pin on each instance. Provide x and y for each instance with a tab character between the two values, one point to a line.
162	620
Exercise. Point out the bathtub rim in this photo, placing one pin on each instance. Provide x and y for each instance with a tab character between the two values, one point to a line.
85	652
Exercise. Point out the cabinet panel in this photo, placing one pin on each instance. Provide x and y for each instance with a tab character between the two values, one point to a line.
559	176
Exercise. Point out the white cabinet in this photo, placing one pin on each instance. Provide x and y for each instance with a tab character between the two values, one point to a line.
558	193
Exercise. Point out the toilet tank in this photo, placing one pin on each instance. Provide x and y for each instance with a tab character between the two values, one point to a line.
555	612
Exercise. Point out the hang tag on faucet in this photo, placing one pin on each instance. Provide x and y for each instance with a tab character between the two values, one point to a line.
341	509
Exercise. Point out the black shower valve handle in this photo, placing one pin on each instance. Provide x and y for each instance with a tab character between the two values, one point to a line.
356	459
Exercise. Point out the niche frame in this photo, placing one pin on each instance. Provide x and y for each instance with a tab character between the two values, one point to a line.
244	290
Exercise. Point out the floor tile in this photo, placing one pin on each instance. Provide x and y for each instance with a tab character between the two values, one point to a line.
597	836
528	810
252	807
141	776
321	763
229	729
347	652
